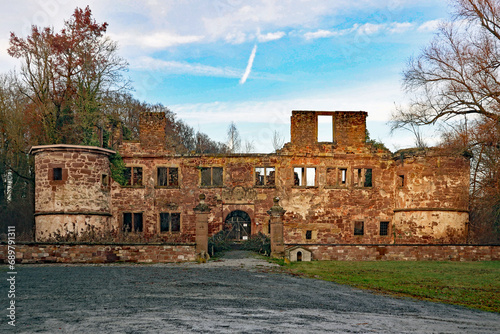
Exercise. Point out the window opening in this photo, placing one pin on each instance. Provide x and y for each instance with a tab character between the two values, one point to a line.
343	176
133	176
211	177
264	176
325	128
384	228
170	222
167	177
359	228
308	234
363	177
132	222
57	174
304	176
401	181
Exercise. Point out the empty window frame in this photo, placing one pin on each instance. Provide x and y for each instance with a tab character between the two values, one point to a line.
105	181
384	228
211	176
133	175
265	176
336	177
308	235
362	177
167	177
401	181
359	228
325	128
132	222
57	174
170	222
304	176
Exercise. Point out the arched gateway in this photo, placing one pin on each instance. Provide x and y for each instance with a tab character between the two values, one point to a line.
240	225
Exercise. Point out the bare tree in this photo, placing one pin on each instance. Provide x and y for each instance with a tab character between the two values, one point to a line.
456	76
278	140
249	147
233	138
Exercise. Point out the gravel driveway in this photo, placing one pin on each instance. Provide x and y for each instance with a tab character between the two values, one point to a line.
239	294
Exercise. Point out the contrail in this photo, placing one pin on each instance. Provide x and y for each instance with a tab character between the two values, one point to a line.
249	66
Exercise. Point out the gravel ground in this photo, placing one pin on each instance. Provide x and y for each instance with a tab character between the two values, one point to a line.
238	294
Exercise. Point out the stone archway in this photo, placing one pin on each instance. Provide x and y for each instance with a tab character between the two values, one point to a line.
240	223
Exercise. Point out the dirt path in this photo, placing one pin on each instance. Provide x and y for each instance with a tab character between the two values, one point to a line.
238	294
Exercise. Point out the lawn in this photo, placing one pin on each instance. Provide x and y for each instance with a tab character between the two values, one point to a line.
471	284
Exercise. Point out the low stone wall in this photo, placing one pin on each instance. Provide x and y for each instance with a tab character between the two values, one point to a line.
104	253
404	252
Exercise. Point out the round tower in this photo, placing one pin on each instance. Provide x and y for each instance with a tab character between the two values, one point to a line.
72	191
431	198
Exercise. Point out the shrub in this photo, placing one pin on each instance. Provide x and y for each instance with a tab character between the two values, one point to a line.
259	243
218	243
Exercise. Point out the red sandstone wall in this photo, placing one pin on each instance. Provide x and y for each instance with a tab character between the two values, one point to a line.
405	252
77	201
54	253
433	202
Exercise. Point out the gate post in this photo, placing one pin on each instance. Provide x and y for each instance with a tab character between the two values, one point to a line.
277	244
202	210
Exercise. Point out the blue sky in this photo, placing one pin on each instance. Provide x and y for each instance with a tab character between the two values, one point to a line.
253	62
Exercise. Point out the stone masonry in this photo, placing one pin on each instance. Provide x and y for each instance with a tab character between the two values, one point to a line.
342	191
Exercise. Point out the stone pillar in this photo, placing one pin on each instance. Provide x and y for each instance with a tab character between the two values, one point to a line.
202	210
277	244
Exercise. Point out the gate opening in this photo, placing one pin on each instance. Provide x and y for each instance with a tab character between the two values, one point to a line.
240	225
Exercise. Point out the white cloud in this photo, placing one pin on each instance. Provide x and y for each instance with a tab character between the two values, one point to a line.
154	40
397	27
249	65
237	37
364	29
370	28
176	67
321	34
429	26
271	36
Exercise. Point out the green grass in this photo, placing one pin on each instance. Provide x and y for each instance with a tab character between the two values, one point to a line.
471	284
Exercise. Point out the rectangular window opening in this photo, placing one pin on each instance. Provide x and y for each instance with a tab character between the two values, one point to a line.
57	174
170	222
401	181
105	181
132	222
167	177
310	177
212	176
304	176
308	234
343	176
325	128
363	177
298	176
384	228
133	175
264	176
359	228
368	177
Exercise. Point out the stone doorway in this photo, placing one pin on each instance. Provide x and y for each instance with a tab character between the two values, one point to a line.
240	225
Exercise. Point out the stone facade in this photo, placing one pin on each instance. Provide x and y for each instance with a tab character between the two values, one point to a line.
341	191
